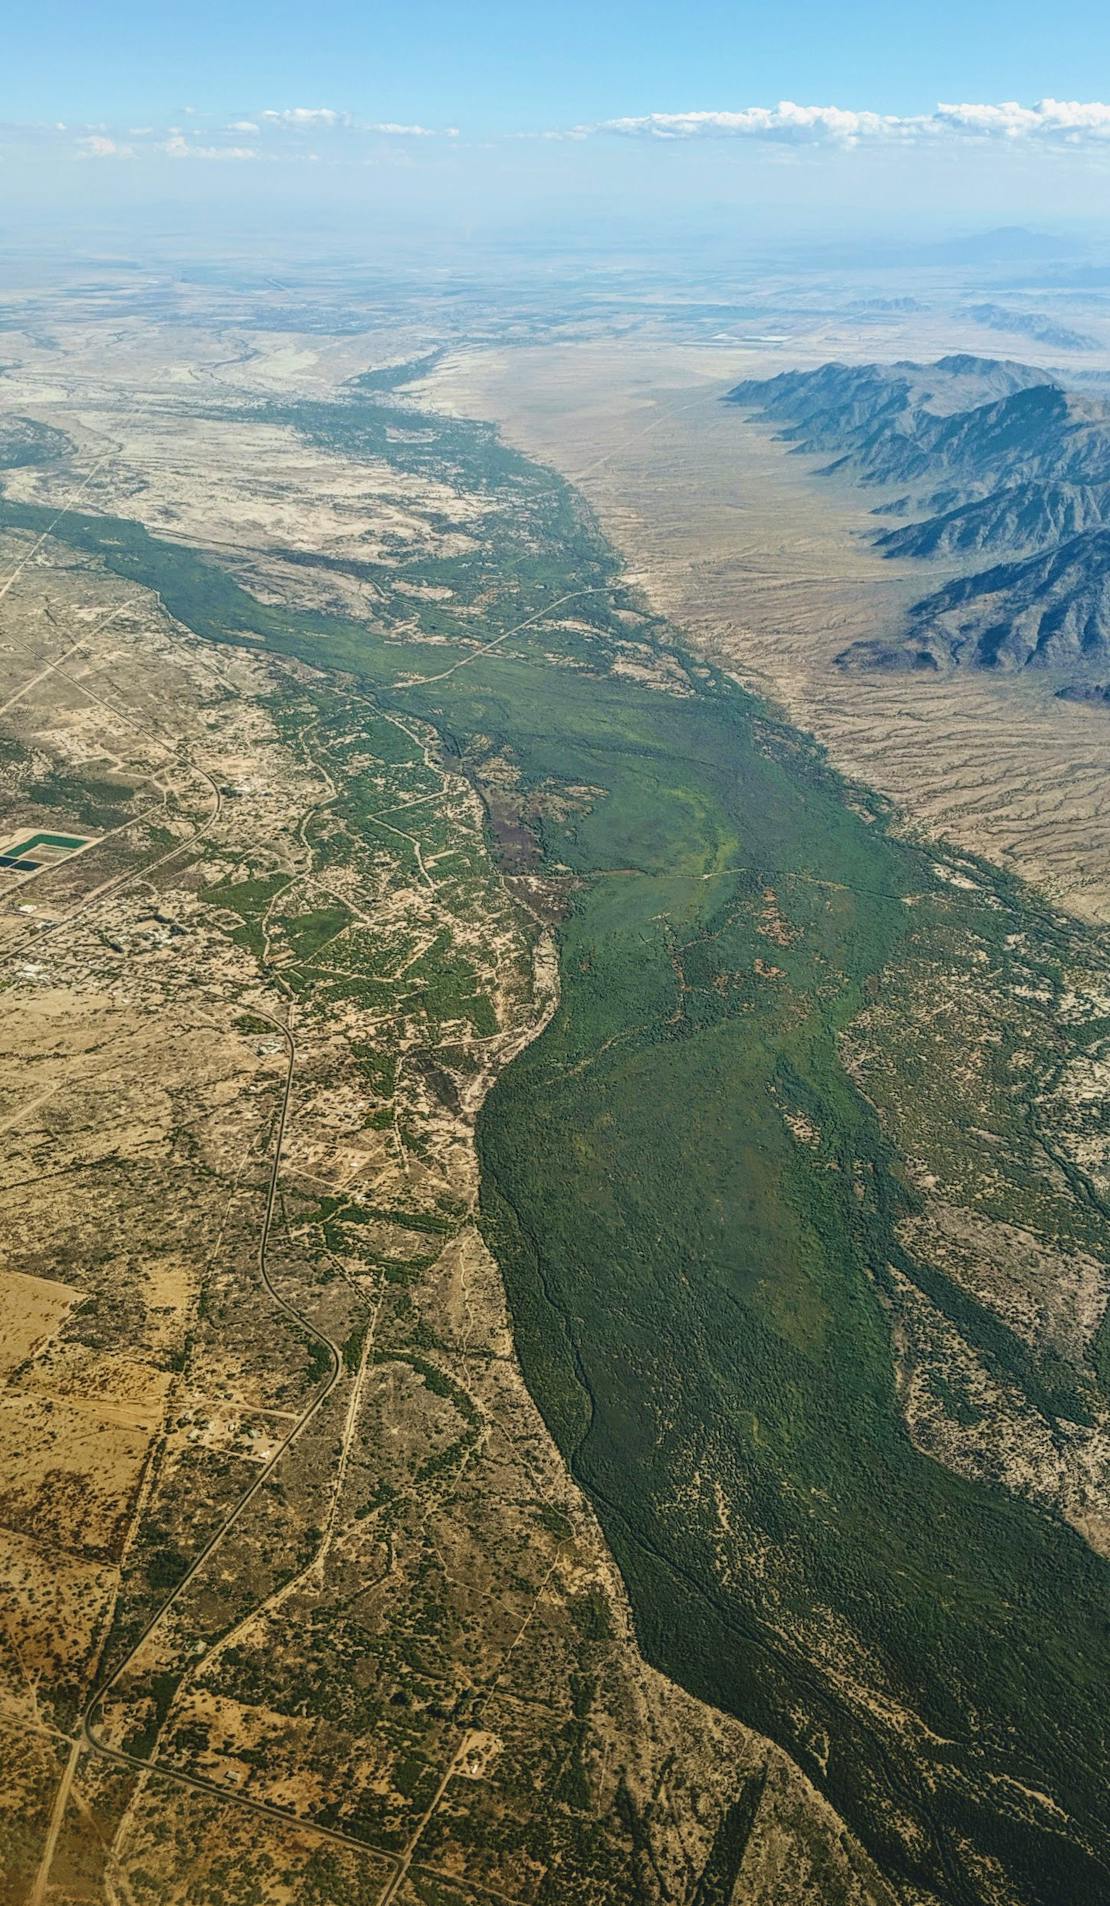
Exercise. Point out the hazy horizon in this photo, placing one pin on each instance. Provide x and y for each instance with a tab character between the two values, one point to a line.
583	127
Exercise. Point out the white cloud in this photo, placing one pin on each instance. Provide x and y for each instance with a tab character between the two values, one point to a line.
784	121
787	128
306	116
325	118
293	134
178	147
1049	117
1053	120
96	145
395	131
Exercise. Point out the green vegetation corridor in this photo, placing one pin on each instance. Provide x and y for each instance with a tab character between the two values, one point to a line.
695	1209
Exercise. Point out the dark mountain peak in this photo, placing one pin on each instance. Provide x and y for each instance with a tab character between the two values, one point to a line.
1044	398
922	383
1008	459
967	364
1050	611
1020	516
960	362
775	394
1080	561
892	422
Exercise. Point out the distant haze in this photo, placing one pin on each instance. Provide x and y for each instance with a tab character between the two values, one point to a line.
600	125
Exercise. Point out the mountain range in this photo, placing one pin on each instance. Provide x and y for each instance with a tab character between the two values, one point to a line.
1031	324
1025	516
988	456
1050	611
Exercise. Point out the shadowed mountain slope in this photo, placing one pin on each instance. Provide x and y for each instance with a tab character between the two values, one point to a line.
1051	611
853	409
999	457
1026	516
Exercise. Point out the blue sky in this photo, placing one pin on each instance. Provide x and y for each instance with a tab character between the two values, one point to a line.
502	64
814	114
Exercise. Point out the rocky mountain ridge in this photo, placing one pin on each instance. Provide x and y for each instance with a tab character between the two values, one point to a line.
1050	611
994	456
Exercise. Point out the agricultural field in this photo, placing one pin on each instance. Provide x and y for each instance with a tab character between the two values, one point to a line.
576	1363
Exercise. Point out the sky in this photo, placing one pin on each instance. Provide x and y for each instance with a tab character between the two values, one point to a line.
790	115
